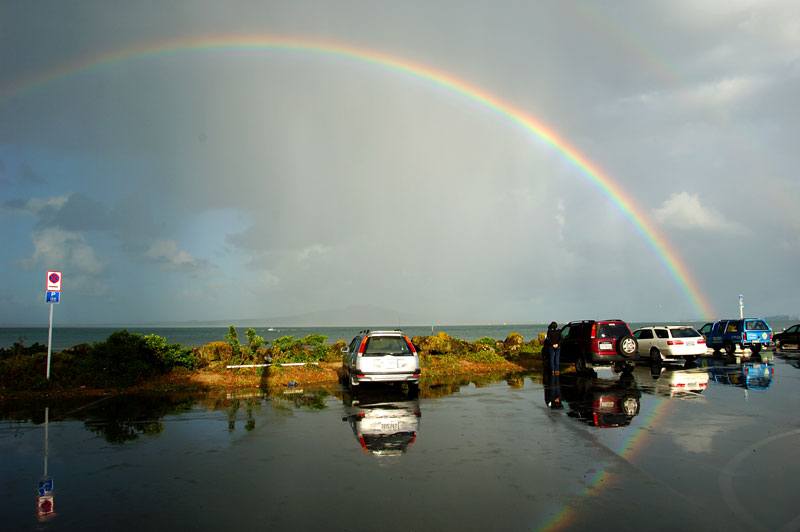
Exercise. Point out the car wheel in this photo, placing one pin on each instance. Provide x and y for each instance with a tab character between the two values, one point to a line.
755	349
717	351
655	355
627	346
730	349
580	364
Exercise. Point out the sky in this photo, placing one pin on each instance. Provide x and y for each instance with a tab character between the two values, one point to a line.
204	160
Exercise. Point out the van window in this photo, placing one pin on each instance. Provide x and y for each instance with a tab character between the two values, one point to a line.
756	325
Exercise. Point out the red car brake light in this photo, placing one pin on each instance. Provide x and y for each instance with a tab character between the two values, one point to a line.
594	330
674	342
363	345
410	345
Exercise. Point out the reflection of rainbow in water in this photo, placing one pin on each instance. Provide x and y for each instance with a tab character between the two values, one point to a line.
629	444
662	249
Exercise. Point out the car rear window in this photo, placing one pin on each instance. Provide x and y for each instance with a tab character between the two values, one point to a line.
386	345
685	333
756	325
612	330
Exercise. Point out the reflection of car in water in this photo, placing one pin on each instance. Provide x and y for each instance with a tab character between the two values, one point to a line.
384	421
601	402
752	376
671	382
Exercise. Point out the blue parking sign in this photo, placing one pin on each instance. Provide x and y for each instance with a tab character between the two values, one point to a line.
53	297
45	486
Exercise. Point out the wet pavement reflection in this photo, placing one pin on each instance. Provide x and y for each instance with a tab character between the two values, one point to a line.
712	444
385	420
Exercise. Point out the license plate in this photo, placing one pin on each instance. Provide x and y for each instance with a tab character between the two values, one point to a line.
390	427
389	364
606	346
690	342
606	405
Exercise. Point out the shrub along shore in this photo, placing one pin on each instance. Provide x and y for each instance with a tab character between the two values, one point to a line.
128	360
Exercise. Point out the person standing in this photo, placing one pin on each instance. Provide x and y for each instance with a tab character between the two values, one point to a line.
552	343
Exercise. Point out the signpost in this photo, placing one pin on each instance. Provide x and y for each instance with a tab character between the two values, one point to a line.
741	306
53	288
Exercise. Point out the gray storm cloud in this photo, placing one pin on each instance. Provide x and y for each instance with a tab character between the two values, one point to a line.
347	183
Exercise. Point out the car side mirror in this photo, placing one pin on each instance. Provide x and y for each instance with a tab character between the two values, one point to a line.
345	350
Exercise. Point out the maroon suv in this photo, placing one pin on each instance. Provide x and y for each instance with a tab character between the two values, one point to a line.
590	343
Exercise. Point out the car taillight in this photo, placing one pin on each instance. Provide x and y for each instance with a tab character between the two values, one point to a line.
674	342
410	345
678	385
770	335
701	341
416	373
594	329
363	345
703	384
744	337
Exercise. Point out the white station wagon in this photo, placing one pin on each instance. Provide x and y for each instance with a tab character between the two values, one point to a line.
672	342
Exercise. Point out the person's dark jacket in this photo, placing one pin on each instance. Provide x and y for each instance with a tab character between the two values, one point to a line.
553	337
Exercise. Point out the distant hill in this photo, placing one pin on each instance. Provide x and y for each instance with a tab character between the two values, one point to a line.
353	316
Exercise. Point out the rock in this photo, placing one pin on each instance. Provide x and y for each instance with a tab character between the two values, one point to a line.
513	343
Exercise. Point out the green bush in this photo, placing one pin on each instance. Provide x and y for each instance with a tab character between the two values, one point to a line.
171	355
233	340
123	359
254	341
485	341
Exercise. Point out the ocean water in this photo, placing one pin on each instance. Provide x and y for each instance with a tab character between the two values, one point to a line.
65	337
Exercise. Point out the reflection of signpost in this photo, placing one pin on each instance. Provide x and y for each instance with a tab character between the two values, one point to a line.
45	503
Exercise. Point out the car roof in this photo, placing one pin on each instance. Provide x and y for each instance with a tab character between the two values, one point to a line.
597	321
395	332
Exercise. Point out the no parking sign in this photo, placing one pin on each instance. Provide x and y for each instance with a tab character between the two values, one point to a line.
53	281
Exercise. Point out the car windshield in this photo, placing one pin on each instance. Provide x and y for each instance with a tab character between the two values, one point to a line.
612	330
685	333
386	345
756	325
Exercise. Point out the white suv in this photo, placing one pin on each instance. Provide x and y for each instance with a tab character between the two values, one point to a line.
670	343
380	356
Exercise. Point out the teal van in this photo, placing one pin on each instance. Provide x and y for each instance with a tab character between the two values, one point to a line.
752	333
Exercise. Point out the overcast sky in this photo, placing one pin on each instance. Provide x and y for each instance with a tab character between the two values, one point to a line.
217	183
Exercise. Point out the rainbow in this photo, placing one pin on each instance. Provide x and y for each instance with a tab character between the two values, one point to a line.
659	245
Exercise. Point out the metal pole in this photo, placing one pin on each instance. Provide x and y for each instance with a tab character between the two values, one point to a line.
741	306
49	340
46	422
